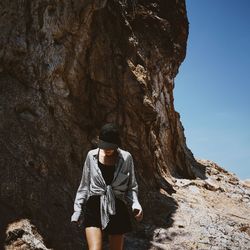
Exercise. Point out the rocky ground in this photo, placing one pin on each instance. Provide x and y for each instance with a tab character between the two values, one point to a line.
211	213
23	235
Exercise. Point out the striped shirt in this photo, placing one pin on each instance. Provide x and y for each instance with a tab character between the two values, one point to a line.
123	185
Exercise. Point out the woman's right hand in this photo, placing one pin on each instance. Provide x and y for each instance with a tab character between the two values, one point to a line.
76	223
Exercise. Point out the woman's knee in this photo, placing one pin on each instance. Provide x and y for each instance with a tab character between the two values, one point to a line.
95	248
94	238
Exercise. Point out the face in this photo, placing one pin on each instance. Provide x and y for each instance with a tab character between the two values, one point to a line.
108	152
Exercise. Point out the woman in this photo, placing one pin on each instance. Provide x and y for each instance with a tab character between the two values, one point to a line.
108	183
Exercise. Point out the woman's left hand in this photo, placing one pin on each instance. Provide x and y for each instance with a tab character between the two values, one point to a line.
138	214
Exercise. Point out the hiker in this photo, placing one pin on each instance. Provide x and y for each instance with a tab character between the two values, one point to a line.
108	183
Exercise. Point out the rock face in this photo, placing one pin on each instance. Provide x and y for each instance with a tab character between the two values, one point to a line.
66	68
23	235
211	213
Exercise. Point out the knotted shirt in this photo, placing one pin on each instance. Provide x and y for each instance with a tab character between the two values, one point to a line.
123	185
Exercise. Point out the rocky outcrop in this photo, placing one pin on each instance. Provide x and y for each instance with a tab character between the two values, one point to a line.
23	235
211	213
204	214
66	68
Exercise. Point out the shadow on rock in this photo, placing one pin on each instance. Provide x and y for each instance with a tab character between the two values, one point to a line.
159	208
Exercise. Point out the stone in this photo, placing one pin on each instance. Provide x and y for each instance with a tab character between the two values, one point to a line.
68	67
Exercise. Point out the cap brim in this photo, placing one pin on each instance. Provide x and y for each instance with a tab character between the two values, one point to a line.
106	145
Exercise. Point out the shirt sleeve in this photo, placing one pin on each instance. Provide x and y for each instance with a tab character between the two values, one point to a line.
82	191
132	192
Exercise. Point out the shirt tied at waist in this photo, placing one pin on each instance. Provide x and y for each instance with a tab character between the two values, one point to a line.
107	205
107	202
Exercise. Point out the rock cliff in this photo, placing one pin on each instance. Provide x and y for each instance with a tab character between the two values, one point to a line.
66	68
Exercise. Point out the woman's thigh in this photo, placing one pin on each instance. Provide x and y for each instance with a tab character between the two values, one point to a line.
116	241
94	238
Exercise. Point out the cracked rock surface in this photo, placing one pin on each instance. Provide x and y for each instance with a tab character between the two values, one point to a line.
66	68
211	213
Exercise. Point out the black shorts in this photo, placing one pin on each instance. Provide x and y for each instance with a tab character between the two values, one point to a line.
119	223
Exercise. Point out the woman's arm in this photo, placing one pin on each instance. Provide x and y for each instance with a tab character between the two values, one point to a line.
132	193
82	191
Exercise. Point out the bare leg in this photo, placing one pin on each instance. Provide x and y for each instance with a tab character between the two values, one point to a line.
116	241
94	238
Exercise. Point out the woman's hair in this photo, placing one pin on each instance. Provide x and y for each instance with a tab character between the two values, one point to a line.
94	142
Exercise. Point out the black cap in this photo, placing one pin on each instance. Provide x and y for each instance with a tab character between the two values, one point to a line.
109	137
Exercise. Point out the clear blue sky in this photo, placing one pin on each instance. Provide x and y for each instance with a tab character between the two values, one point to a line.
212	88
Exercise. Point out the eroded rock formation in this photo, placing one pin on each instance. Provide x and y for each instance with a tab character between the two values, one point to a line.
66	68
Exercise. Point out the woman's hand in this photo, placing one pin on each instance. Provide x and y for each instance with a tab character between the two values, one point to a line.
138	214
77	223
